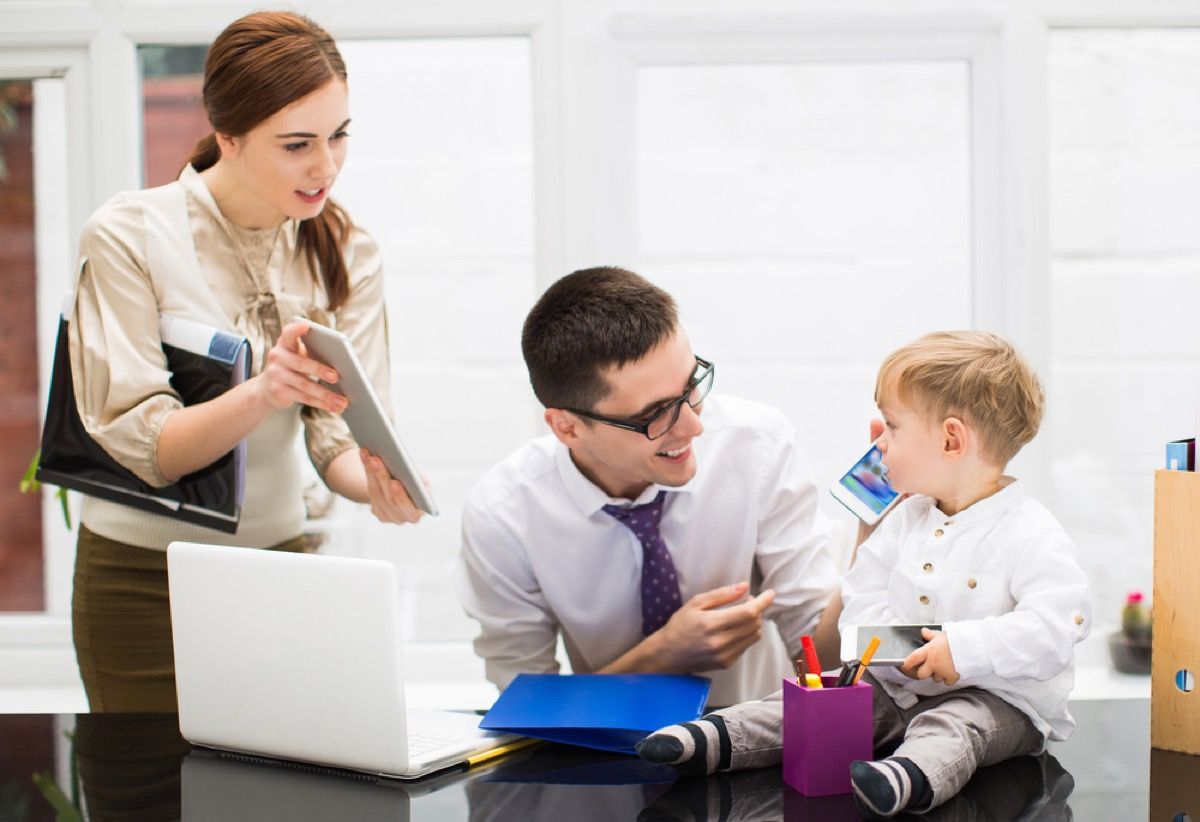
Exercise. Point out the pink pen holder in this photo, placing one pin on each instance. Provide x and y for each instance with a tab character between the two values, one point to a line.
824	730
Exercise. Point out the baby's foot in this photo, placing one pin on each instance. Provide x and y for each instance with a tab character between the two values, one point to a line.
698	747
885	788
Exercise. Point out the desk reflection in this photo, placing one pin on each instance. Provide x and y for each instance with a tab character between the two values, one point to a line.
139	768
129	765
559	783
1026	788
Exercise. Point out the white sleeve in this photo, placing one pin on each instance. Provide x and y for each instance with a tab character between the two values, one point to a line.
865	598
498	589
1036	640
793	538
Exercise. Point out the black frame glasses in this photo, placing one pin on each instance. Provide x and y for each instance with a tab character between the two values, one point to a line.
699	387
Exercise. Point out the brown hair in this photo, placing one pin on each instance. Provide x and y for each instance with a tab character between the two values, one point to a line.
975	375
587	321
258	65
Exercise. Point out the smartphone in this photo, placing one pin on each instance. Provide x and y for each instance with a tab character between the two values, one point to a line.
864	488
896	641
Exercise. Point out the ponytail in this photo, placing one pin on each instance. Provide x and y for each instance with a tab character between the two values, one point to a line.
205	154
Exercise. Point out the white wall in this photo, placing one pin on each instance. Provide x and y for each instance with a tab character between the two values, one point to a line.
810	219
1125	231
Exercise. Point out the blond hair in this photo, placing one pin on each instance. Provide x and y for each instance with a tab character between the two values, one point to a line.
975	375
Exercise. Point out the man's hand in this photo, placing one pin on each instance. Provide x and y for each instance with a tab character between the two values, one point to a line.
932	660
703	635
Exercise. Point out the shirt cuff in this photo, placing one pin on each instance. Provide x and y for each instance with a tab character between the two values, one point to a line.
968	648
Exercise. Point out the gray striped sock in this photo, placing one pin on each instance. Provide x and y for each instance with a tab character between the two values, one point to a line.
691	747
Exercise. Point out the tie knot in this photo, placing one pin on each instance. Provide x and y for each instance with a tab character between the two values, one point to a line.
639	518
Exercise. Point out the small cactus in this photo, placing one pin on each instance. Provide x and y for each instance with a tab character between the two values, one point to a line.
1135	618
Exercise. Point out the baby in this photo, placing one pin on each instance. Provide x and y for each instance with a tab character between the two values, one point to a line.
968	549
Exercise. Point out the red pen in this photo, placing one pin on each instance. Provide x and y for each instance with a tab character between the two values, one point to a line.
810	655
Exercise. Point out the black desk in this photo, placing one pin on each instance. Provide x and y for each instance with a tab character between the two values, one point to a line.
135	767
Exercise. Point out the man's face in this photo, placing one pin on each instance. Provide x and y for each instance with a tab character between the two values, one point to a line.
624	463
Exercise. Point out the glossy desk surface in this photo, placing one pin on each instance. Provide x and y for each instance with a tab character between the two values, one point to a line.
136	767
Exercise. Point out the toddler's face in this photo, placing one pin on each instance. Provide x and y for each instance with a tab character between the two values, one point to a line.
911	446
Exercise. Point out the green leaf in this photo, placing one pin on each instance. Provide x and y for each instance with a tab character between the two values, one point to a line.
66	509
58	800
29	483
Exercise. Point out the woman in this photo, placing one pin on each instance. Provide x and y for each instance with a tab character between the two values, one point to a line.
267	246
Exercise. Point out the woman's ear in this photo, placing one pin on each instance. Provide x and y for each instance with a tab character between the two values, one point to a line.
227	145
955	436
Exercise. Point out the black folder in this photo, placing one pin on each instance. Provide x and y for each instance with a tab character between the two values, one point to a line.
204	363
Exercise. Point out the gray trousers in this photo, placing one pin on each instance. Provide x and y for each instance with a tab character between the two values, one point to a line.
948	736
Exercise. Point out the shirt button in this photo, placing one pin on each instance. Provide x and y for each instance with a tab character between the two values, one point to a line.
971	583
1079	619
927	567
924	600
938	532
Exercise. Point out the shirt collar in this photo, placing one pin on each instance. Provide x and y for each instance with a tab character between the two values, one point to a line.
589	498
1011	493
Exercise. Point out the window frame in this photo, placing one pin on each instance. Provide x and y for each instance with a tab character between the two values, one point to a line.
584	59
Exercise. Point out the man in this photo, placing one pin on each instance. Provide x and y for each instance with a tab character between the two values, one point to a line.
655	527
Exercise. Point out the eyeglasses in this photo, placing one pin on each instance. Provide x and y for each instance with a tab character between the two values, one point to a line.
664	418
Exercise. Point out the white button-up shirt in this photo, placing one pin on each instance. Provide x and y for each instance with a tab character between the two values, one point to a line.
1002	579
540	555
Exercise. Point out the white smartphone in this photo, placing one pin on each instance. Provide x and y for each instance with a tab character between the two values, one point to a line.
864	488
896	642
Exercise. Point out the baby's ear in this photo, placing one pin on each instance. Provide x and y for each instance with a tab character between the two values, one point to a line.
955	437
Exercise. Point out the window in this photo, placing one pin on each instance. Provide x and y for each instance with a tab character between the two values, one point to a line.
447	192
809	218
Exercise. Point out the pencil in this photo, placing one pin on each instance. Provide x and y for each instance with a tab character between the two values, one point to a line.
503	750
872	646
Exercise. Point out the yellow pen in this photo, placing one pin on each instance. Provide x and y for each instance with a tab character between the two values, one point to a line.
872	646
813	681
496	753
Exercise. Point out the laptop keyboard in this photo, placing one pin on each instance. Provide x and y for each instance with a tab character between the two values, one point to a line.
419	744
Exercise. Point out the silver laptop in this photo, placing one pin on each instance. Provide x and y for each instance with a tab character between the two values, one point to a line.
298	656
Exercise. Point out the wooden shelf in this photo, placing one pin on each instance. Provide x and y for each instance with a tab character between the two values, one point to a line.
1174	714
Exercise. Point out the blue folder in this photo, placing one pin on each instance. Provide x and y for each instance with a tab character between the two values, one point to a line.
612	712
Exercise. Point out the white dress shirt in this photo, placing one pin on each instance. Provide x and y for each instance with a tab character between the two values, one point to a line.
540	555
1002	579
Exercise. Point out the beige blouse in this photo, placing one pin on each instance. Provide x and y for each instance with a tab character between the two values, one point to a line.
260	281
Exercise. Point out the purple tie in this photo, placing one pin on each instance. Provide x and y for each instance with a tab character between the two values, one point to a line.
660	587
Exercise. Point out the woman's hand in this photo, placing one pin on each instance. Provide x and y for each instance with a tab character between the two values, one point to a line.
289	375
389	500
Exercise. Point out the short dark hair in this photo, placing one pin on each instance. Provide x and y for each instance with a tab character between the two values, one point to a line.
590	320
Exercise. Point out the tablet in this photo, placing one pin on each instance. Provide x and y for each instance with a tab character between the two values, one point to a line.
896	641
365	414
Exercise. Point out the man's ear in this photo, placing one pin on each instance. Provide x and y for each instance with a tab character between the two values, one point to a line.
563	424
955	436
